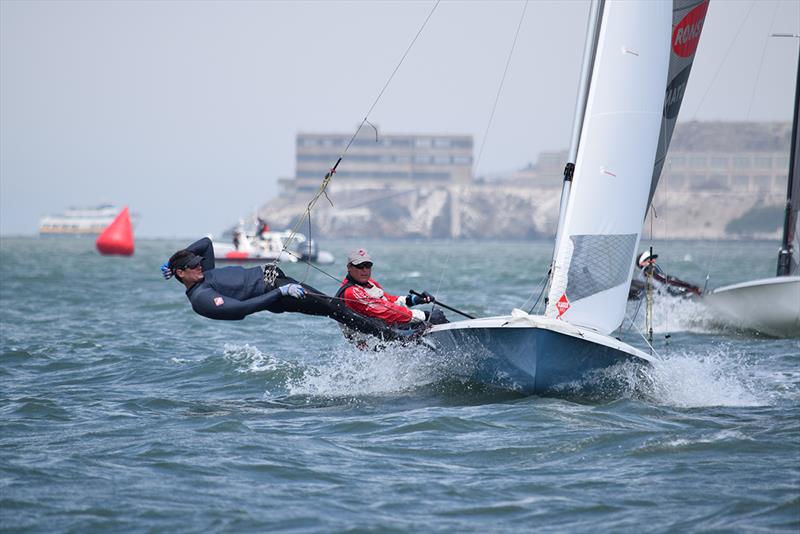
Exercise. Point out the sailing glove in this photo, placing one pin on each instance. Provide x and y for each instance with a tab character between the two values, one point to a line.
166	272
413	300
293	290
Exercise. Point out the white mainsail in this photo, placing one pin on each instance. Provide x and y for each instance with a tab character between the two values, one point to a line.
600	230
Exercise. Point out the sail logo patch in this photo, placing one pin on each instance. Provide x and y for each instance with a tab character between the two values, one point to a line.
686	34
562	305
674	96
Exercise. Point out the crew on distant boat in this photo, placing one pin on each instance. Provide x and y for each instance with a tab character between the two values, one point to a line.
646	265
262	228
364	295
232	293
238	234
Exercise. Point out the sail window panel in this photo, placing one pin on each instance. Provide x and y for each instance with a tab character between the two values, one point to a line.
599	262
782	163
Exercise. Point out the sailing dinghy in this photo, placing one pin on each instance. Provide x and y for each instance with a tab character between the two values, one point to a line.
623	124
771	305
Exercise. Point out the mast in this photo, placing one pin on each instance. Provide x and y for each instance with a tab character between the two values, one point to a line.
589	50
785	259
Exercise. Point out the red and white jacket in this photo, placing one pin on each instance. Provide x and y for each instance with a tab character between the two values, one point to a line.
371	300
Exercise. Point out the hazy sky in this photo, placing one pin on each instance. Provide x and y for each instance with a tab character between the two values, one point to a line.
187	111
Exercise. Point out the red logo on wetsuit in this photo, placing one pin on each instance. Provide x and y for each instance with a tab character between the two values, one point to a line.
218	301
562	305
686	34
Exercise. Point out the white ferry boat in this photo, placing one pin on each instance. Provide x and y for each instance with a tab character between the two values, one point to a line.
81	221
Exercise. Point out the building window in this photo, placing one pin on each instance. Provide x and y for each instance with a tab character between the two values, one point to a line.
462	160
440	176
762	182
719	163
676	180
762	162
441	160
782	163
741	162
422	142
441	142
709	183
677	161
740	181
698	161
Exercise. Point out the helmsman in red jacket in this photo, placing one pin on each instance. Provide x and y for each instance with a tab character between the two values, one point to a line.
364	295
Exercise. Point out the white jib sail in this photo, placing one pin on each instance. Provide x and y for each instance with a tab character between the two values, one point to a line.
614	166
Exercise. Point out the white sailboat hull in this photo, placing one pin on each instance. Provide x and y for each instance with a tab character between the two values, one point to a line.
769	305
533	355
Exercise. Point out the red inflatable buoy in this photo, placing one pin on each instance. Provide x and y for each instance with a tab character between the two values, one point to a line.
117	238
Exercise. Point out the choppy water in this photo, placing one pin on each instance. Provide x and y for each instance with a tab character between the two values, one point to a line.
121	410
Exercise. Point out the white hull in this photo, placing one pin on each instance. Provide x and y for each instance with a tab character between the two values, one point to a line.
224	253
533	354
770	305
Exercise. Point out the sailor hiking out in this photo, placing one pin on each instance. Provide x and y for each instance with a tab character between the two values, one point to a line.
646	267
234	292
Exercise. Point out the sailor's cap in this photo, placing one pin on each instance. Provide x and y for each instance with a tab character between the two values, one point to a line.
358	256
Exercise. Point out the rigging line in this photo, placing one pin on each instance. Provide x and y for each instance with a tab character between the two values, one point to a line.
500	88
761	62
541	287
308	242
310	264
386	85
652	349
441	277
329	176
724	59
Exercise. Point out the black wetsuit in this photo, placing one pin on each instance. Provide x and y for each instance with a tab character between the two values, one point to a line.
232	293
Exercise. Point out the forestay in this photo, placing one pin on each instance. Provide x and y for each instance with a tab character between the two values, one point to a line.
614	166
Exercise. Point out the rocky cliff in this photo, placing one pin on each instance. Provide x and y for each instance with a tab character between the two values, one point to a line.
513	212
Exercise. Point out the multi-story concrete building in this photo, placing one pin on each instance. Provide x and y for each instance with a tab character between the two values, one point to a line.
380	161
721	180
734	157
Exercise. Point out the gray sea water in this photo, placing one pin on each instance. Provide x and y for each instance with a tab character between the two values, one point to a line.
122	411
